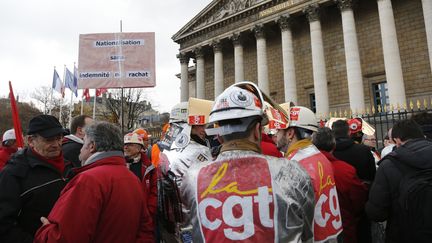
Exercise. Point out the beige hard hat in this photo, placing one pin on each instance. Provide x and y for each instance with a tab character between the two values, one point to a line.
303	117
199	111
133	138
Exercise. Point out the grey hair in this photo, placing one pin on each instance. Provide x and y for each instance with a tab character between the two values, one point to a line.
324	139
364	137
106	136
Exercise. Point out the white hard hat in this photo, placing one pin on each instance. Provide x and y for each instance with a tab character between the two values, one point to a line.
236	102
241	101
9	135
179	113
133	138
303	117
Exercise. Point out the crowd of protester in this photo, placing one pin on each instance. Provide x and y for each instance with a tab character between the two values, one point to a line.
243	169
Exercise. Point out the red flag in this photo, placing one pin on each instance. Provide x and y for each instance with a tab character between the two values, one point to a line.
86	94
100	91
15	117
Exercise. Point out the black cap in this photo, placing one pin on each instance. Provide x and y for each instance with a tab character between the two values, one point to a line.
46	126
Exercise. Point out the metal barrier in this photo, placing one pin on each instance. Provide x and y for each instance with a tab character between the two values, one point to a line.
384	117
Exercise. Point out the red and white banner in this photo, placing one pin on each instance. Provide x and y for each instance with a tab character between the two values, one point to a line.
236	201
115	60
327	218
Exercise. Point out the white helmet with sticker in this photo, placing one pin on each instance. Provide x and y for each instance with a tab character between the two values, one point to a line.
179	113
303	117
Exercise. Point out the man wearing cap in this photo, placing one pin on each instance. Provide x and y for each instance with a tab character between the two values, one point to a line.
32	180
296	140
72	143
103	202
245	196
138	162
8	147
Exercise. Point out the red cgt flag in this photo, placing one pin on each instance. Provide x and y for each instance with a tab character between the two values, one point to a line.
15	117
86	94
100	91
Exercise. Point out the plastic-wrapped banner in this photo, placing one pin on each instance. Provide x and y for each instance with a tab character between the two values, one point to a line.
114	60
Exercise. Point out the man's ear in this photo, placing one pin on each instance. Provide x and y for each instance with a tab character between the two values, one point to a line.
290	133
398	142
257	131
30	140
92	147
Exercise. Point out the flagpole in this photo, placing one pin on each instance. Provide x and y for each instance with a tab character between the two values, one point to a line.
61	99
121	82
94	106
70	109
51	99
82	102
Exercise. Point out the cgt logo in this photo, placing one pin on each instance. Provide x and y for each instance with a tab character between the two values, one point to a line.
235	201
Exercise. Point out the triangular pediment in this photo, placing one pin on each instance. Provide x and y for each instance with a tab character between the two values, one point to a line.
216	11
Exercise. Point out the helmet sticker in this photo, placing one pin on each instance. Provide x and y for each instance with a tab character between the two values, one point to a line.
241	98
196	120
223	103
182	140
257	102
294	113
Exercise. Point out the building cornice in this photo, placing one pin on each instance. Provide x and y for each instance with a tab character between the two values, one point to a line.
253	13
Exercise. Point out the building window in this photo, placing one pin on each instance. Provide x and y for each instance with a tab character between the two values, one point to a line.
380	94
312	102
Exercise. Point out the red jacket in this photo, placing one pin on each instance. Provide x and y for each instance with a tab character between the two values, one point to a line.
149	184
102	203
268	147
352	194
5	154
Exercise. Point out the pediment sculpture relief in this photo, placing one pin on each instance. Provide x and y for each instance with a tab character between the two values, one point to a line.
230	8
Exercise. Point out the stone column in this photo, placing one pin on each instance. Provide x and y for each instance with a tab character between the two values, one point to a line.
392	61
427	14
184	75
200	82
263	82
352	57
318	60
290	84
218	68
238	57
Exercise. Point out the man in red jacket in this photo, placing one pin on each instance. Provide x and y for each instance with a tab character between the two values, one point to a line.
352	193
8	147
104	201
269	147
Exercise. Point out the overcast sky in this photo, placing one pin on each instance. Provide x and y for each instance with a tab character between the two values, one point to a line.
38	35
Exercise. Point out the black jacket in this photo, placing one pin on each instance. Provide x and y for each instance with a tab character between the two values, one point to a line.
71	151
29	188
357	155
383	195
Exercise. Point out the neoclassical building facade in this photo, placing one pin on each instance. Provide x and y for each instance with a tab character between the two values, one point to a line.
323	54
